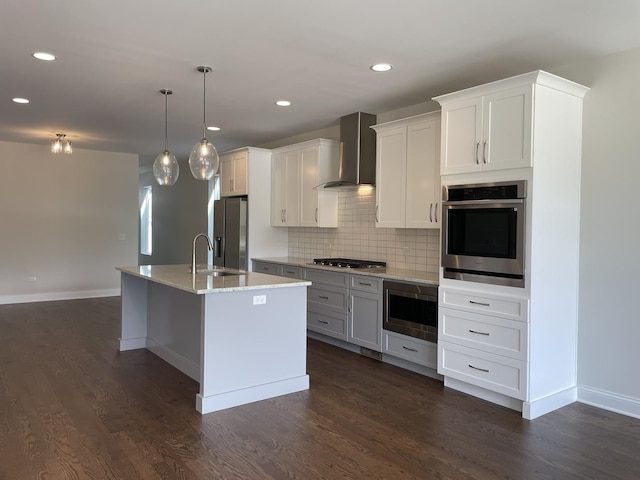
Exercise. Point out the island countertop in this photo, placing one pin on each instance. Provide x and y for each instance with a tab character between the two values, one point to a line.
179	276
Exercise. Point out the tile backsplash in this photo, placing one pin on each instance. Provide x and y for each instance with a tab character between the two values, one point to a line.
358	237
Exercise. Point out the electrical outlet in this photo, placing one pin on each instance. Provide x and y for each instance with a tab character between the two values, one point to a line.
259	299
122	236
31	279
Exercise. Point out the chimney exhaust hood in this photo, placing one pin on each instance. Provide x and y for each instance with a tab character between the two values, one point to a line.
357	154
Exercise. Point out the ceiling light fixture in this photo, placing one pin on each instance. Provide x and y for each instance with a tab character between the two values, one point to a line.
213	129
48	57
381	67
20	100
61	144
283	103
165	167
204	160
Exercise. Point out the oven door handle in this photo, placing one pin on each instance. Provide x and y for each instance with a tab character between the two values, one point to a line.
484	202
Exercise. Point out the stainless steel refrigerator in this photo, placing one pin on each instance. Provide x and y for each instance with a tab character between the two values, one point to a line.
230	233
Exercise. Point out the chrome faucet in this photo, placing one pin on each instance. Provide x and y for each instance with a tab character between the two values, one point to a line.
193	250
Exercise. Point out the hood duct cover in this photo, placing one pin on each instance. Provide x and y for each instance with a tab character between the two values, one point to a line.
357	157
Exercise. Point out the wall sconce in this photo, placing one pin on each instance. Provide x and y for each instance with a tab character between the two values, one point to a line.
61	144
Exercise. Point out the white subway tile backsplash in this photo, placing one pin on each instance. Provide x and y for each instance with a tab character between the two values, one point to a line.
358	237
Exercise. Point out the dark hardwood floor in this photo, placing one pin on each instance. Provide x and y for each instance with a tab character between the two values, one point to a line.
73	407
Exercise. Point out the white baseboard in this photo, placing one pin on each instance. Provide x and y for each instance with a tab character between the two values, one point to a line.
537	408
55	296
613	402
213	403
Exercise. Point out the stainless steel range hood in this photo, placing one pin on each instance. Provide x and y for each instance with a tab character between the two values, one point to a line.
357	151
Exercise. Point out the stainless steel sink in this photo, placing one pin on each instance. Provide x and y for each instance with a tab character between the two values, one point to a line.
216	272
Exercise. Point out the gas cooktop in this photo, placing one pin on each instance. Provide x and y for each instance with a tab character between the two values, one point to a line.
348	263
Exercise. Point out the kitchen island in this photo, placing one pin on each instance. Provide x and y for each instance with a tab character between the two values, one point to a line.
241	335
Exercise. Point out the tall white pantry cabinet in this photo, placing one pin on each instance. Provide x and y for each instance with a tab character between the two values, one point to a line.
517	346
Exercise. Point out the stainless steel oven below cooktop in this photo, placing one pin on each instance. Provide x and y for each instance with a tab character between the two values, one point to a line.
348	263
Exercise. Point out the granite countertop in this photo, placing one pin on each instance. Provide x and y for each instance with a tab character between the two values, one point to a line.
178	276
390	273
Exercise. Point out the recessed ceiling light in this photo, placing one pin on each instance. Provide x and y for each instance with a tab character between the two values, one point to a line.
283	103
44	56
381	67
214	129
21	100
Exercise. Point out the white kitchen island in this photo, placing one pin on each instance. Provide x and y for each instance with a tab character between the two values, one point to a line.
242	337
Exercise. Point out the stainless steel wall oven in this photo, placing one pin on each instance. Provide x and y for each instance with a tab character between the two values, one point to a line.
411	309
483	232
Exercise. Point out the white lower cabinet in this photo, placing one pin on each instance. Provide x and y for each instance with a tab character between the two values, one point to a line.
487	349
411	349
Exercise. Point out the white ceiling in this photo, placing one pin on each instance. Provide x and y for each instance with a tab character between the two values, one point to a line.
114	56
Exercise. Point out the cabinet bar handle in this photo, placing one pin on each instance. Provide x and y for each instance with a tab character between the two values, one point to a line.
365	284
377	216
323	298
436	213
431	212
479	333
323	321
480	303
285	215
316	214
484	152
477	148
410	349
477	368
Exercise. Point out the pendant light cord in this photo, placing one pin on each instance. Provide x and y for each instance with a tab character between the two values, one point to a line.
204	104
166	134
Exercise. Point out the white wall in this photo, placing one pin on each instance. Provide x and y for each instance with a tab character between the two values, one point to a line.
609	317
61	218
179	213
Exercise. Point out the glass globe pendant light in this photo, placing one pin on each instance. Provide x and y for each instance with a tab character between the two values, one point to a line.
165	167
204	160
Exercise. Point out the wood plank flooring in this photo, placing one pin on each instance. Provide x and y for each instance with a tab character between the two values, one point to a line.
73	407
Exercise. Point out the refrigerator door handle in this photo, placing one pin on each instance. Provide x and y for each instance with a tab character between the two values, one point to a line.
217	247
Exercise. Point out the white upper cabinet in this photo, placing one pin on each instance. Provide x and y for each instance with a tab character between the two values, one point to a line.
489	130
233	173
407	172
298	170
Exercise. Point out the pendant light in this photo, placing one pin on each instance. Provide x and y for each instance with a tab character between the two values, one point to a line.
165	167
203	160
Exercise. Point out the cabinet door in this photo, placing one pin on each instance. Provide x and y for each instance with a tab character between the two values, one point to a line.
309	195
507	129
292	206
461	137
278	189
423	175
391	178
365	320
240	167
226	175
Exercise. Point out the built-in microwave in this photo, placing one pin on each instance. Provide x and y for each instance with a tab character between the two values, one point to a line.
483	232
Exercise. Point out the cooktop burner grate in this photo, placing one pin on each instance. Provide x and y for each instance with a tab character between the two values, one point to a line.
348	263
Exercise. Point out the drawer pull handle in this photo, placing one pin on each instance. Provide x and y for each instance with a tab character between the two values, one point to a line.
323	298
479	333
323	321
477	368
480	303
410	349
290	272
365	284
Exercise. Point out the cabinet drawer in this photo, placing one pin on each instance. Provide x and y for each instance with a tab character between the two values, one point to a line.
365	283
332	325
291	272
270	268
327	278
514	308
486	333
327	297
493	372
411	349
